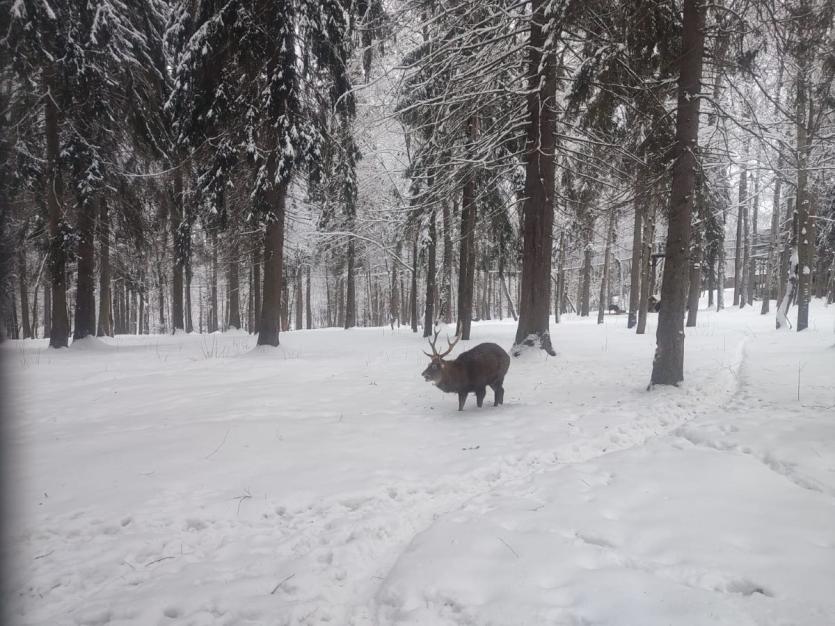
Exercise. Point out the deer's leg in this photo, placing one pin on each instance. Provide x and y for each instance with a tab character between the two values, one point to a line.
495	387
462	398
479	396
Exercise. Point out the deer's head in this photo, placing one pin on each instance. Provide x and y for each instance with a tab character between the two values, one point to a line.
434	372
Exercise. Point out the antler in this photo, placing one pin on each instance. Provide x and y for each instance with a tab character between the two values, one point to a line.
432	345
434	349
451	345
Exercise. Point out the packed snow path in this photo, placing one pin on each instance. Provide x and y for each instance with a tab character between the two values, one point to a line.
193	480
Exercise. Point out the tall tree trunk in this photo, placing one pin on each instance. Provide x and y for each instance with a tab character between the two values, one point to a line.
607	260
47	311
413	309
350	287
742	211
466	263
585	284
745	289
559	290
308	310
233	282
538	209
178	252
269	326
213	321
446	273
60	326
187	298
805	230
105	324
696	251
22	276
634	271
755	210
668	364
394	307
720	264
429	312
299	298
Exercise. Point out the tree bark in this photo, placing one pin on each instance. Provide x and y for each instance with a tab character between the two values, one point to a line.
585	284
696	251
105	323
298	296
214	319
635	272
607	260
742	204
668	364
270	325
308	310
429	312
177	253
413	309
26	327
805	223
559	287
446	273
350	287
233	282
745	288
755	210
60	325
466	255
538	209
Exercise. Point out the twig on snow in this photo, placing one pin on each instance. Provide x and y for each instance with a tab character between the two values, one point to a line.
509	547
220	445
162	558
281	582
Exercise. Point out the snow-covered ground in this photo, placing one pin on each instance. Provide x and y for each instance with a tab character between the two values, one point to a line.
194	480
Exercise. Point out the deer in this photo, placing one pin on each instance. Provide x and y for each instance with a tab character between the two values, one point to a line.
474	370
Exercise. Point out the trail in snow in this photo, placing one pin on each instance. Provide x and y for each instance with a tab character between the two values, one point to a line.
194	482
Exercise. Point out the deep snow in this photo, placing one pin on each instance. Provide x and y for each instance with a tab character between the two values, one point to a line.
196	480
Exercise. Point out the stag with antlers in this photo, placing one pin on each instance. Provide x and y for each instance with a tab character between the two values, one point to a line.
474	370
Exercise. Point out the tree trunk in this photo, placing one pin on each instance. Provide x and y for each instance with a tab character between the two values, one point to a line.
298	297
187	298
466	262
772	245
446	273
607	260
559	288
308	310
538	209
233	282
755	210
745	289
695	281
213	321
269	326
429	312
413	315
47	311
742	211
805	223
635	272
26	327
668	364
350	288
585	284
60	325
178	252
105	323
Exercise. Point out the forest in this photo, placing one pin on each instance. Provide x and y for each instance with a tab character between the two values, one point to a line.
201	166
230	230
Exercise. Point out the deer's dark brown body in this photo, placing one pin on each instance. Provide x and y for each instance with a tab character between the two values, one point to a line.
473	371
